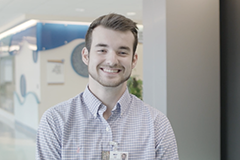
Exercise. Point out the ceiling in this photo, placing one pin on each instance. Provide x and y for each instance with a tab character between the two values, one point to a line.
13	12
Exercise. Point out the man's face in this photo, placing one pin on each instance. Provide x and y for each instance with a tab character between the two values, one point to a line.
110	61
123	156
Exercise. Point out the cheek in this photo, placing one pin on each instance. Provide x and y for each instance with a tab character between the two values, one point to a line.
129	67
93	62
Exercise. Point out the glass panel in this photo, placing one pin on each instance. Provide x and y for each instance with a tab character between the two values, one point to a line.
7	85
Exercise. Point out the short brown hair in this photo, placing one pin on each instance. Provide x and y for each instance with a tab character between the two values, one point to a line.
116	22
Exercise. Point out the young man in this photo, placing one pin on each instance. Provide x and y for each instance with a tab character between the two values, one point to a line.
105	119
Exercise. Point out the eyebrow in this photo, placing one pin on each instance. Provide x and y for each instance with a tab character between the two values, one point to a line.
126	48
101	45
105	45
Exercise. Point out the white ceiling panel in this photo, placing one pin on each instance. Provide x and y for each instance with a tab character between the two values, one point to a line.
83	9
63	2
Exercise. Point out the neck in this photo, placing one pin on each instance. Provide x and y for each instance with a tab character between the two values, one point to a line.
108	95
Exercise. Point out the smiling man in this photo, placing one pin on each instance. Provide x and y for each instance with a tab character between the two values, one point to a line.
106	121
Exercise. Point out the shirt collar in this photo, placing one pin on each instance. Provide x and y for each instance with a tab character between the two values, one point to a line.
93	103
124	101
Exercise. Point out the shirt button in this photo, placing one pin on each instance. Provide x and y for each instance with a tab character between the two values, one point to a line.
107	129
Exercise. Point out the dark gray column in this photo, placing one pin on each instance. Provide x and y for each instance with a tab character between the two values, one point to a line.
230	79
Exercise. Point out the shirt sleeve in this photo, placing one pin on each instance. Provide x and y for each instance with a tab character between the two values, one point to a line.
165	144
48	138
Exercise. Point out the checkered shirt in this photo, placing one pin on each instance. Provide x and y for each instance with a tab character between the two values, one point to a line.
76	130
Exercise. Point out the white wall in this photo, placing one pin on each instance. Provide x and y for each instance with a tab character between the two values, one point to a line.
26	108
73	83
181	48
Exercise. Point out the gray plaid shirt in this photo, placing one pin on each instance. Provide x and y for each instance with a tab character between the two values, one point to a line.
76	129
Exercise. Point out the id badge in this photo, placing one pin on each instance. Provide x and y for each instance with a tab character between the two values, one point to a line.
114	155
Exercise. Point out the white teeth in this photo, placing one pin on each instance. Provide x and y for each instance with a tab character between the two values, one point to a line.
110	70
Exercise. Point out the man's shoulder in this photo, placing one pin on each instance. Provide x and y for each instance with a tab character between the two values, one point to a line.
57	116
141	105
72	102
156	114
62	110
145	111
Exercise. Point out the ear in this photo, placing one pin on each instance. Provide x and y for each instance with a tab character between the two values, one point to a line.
85	57
135	59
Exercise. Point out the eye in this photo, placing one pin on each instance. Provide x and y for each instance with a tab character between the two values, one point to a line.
122	53
101	51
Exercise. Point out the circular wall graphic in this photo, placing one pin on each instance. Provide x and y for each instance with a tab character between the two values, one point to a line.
35	56
76	60
23	85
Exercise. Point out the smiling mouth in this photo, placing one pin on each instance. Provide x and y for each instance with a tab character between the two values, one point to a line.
111	70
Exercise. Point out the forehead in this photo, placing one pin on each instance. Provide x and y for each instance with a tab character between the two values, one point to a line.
112	37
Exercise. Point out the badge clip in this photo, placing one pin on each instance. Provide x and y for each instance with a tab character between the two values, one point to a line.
114	144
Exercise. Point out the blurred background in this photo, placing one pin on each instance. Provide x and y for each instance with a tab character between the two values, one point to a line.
188	67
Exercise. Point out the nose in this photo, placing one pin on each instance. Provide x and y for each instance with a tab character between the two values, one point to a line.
112	59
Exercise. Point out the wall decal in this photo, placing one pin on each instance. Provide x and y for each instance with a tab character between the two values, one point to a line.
55	71
35	56
76	60
23	86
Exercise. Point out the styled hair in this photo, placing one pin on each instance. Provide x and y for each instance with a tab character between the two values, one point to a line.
116	22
